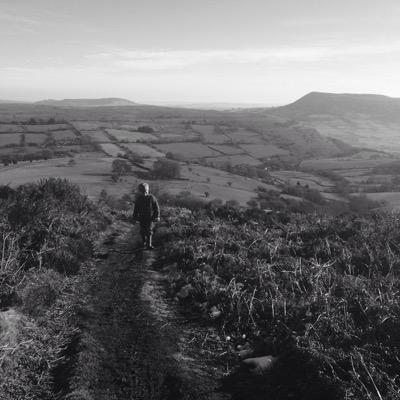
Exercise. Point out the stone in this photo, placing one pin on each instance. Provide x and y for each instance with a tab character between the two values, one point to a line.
260	365
185	292
215	312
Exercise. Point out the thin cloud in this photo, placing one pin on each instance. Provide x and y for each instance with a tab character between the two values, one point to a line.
177	59
9	17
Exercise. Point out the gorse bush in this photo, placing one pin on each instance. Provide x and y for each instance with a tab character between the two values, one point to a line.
55	224
318	292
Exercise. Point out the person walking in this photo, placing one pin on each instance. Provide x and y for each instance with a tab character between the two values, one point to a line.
146	212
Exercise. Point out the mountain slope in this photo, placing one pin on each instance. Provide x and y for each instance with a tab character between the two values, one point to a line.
364	120
105	102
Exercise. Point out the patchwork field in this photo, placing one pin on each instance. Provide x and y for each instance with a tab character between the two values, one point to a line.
91	125
210	134
96	135
143	150
18	150
10	128
346	163
244	136
392	199
45	128
123	135
233	160
91	172
63	135
111	149
313	181
227	149
9	138
35	137
189	150
263	150
199	180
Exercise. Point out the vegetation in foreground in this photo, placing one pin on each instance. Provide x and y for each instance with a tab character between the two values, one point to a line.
48	236
318	293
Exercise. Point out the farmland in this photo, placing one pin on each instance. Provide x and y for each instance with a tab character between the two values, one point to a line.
233	160
261	151
239	143
128	136
188	150
9	138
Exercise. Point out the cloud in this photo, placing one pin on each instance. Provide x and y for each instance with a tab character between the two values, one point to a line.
178	59
9	17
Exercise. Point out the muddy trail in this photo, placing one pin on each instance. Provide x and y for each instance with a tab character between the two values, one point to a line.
133	343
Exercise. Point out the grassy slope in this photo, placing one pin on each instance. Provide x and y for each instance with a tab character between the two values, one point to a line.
319	293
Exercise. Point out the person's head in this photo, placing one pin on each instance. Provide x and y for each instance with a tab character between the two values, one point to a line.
143	188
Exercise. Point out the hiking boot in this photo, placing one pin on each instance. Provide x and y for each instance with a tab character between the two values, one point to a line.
150	247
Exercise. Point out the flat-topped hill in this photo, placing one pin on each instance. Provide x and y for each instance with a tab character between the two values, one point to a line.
381	107
104	102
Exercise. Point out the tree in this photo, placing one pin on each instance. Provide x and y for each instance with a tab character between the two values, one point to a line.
232	203
229	183
206	194
145	129
119	167
166	169
252	203
71	162
22	140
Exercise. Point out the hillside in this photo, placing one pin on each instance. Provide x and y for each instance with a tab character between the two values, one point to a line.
233	305
363	120
106	102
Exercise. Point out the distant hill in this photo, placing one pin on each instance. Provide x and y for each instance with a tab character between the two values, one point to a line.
380	107
2	101
364	120
106	102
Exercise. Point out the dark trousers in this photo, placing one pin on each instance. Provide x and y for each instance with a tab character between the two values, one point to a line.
146	232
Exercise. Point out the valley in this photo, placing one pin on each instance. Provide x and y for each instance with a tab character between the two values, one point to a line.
222	155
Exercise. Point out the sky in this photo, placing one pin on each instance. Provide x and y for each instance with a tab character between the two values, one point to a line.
189	51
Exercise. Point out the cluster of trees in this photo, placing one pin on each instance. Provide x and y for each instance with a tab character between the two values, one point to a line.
305	192
44	154
145	129
245	170
166	169
119	168
41	121
162	168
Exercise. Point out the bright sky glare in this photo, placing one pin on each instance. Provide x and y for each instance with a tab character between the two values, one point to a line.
253	51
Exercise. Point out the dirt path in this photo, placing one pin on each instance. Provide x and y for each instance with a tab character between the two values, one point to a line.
133	343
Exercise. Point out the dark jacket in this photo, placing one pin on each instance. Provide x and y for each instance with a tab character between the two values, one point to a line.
146	209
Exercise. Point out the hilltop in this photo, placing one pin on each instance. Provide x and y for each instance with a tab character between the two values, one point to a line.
363	120
375	106
106	102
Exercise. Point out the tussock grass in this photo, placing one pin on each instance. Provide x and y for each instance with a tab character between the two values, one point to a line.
318	292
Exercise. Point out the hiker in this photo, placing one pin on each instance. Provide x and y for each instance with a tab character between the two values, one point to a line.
147	212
